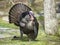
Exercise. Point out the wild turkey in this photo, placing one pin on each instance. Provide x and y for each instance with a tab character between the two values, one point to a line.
22	16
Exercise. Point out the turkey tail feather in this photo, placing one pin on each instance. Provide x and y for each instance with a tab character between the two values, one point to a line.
16	11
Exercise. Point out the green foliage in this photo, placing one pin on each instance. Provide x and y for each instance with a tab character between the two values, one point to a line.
41	18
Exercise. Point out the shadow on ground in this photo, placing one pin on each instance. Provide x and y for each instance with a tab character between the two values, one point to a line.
22	39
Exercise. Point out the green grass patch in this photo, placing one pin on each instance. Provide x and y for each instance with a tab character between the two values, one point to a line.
6	24
41	39
41	18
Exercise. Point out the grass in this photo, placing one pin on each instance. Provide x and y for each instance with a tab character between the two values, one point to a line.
6	24
41	39
24	43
